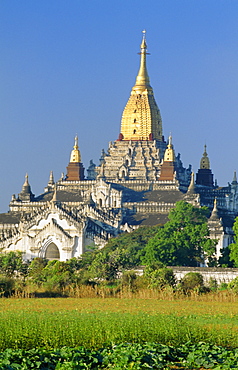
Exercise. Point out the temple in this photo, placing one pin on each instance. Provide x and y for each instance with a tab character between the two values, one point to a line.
138	180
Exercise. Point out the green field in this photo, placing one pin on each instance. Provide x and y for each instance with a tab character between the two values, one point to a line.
57	322
93	324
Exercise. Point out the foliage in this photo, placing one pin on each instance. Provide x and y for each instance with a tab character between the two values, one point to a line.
36	268
123	356
7	285
212	284
107	264
184	239
230	254
103	324
12	264
160	278
192	281
129	279
120	253
233	248
233	285
134	241
54	275
225	260
59	274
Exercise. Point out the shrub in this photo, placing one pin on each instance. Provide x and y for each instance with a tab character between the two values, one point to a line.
128	279
233	285
192	281
6	286
160	278
212	284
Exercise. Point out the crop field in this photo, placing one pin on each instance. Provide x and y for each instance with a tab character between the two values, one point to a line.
98	324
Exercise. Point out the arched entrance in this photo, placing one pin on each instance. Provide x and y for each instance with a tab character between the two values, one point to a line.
52	252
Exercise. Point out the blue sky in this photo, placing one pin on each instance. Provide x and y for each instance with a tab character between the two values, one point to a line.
68	67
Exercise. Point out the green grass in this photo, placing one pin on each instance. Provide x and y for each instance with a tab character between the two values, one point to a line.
46	329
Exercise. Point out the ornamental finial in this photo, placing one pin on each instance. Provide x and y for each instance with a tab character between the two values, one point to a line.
205	163
76	142
142	79
75	154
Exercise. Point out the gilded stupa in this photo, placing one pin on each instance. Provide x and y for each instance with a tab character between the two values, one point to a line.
139	150
168	171
75	169
205	163
204	175
141	118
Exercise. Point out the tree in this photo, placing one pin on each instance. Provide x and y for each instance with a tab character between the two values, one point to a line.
159	277
184	239
12	264
129	279
36	268
233	285
58	275
108	263
233	248
120	253
225	260
7	285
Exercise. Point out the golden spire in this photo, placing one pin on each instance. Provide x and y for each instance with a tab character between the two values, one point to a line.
141	118
205	163
75	154
142	79
169	155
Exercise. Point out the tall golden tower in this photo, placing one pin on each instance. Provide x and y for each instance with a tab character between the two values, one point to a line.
141	118
205	163
204	175
75	169
136	157
168	165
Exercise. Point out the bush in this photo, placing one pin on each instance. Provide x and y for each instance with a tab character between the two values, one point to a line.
223	286
128	279
160	278
7	285
212	284
192	281
233	285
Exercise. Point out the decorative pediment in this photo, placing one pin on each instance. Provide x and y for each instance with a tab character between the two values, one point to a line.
34	219
52	228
